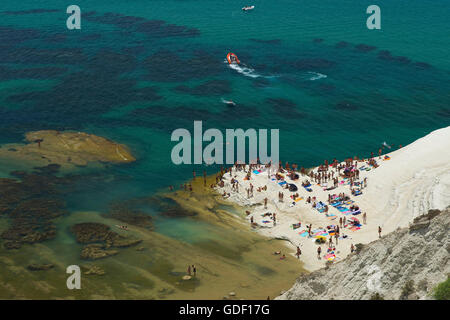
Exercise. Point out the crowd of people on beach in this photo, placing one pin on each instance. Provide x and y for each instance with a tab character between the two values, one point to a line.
327	176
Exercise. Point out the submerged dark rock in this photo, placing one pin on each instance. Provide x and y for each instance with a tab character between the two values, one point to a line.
169	66
31	11
91	232
178	213
39	267
99	239
285	108
444	112
386	55
151	28
209	88
364	47
309	64
422	65
342	44
272	41
31	203
127	212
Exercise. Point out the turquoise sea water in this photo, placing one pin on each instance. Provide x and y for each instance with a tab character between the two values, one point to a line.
138	70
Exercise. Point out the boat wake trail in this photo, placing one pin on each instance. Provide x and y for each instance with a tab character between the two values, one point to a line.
315	76
247	71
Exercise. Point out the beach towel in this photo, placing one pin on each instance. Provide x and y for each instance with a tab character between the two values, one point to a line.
256	172
303	233
330	256
282	183
298	199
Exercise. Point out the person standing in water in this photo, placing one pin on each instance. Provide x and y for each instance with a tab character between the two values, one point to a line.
189	270
194	269
299	252
379	231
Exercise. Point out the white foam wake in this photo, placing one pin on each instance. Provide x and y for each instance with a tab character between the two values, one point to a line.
228	102
246	71
316	75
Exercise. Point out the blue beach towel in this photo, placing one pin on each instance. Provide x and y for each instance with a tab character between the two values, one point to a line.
336	204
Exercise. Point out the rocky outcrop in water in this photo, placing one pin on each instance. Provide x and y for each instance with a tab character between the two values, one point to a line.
92	270
96	251
67	148
406	264
99	240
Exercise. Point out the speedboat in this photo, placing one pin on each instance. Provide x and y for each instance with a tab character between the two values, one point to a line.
247	8
232	58
230	103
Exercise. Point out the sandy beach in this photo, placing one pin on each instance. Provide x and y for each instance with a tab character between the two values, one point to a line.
402	185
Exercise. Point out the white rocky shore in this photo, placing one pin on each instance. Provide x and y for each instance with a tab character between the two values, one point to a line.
406	264
415	179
